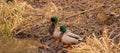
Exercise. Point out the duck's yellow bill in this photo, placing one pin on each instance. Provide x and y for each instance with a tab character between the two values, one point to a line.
58	30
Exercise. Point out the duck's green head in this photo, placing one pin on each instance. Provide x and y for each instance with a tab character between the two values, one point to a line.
54	19
63	28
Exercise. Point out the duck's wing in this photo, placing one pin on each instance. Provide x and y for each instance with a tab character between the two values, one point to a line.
72	35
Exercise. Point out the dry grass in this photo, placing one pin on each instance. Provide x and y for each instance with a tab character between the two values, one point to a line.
11	18
13	15
95	45
13	45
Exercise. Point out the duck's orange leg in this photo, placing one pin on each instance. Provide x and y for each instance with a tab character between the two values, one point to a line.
68	46
57	41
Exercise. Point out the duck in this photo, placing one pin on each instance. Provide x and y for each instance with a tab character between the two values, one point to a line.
69	38
54	31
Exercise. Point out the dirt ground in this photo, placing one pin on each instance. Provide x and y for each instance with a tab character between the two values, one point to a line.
68	13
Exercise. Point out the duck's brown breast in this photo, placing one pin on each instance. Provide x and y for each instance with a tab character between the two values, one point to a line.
51	29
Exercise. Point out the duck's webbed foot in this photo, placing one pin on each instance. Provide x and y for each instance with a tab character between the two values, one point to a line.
67	46
57	41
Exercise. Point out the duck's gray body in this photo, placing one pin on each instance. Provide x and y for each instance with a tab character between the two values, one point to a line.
70	38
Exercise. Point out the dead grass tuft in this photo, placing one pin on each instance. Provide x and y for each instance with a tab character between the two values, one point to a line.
95	45
10	18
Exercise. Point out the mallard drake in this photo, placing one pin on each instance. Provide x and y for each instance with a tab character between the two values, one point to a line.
69	38
53	30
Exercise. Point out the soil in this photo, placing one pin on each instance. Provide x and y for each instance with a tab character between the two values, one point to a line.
83	24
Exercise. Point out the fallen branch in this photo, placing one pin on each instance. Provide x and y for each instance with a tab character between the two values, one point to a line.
84	11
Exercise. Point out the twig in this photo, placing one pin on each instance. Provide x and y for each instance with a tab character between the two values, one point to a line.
113	32
84	11
116	36
27	15
54	5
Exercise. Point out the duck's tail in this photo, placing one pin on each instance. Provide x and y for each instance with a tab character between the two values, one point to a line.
80	38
